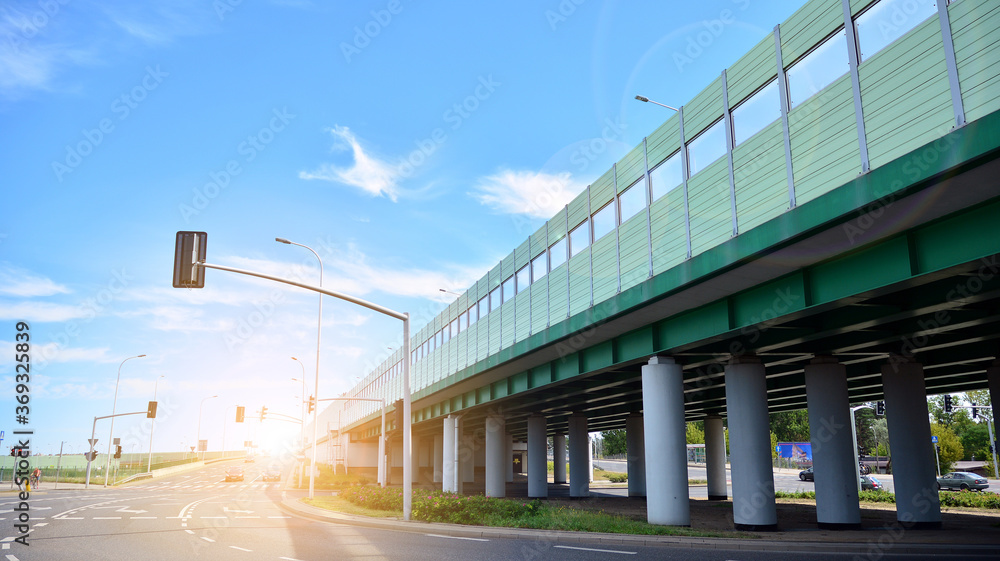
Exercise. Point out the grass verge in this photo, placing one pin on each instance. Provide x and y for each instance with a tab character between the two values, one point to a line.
507	513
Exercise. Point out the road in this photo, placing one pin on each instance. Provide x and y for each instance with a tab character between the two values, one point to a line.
200	516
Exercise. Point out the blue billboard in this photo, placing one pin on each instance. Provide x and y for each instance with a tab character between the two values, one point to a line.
798	452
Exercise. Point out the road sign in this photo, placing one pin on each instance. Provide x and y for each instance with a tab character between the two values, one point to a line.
934	439
188	249
92	441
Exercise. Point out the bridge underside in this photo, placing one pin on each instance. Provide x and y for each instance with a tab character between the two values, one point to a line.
914	271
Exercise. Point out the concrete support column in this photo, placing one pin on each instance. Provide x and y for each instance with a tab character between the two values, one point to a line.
913	473
496	443
636	446
665	443
832	445
448	455
559	458
993	378
415	459
509	460
579	452
590	460
750	446
436	453
715	458
466	456
538	476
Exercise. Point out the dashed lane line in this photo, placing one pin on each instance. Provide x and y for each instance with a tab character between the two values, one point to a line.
457	538
208	539
597	550
241	548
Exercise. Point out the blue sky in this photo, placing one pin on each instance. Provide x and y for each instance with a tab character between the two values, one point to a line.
412	145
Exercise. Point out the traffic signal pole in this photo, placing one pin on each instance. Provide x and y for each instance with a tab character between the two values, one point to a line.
92	454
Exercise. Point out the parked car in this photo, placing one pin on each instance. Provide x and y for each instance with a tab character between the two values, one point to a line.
234	473
962	480
806	474
271	475
869	483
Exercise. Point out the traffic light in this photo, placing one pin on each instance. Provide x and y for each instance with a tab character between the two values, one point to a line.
240	411
263	412
312	404
880	408
118	452
151	410
188	249
12	452
938	446
975	413
947	404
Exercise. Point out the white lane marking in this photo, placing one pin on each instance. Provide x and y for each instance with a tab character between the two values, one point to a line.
289	559
279	516
598	550
189	531
240	548
12	558
41	524
248	517
107	518
209	517
458	538
208	539
142	518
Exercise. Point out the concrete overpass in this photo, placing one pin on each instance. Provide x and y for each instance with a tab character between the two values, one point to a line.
819	227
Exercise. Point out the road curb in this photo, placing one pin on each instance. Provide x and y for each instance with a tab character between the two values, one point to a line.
872	548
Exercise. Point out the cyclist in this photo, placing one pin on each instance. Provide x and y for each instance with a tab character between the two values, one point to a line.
36	476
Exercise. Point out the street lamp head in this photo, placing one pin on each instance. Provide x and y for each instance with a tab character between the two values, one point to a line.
293	358
282	240
642	98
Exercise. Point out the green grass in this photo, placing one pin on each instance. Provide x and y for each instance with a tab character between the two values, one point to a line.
966	499
508	513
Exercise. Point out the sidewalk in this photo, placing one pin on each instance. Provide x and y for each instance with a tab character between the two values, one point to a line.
293	505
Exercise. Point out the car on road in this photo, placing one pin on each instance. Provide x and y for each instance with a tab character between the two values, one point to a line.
234	473
271	475
869	483
806	474
248	460
962	480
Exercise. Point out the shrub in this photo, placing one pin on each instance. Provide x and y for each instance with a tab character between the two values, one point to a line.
971	499
617	477
472	509
390	498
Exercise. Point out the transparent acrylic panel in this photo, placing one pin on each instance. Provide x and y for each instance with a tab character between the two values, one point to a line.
706	147
523	279
557	254
666	176
495	299
818	69
579	238
756	112
888	20
604	221
633	200
540	266
508	288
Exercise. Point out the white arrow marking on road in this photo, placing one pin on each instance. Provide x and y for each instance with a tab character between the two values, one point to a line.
599	550
125	509
458	538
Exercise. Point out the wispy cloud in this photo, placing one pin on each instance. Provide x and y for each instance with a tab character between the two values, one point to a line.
17	281
372	175
41	311
532	193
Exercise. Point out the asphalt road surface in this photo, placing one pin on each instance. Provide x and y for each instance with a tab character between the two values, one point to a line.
200	516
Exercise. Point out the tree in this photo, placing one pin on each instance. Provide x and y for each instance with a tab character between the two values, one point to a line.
774	446
614	442
975	440
880	432
791	426
951	446
695	434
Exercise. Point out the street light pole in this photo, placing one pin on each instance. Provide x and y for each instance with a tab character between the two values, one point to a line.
149	465
645	99
319	335
200	409
114	406
302	402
